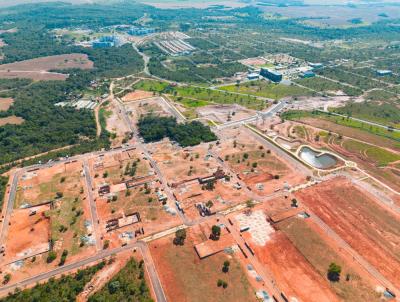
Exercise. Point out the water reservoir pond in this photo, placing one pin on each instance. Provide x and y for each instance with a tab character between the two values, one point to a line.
317	159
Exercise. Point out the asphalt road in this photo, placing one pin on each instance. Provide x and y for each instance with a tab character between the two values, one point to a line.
92	204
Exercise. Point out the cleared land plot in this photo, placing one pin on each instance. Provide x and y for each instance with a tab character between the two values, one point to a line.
12	120
356	217
320	254
258	167
224	113
5	103
42	185
38	69
34	75
136	95
293	273
265	89
33	234
151	106
67	61
186	278
179	164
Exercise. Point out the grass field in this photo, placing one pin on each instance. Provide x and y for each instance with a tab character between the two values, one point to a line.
320	255
196	96
381	156
379	131
268	90
323	85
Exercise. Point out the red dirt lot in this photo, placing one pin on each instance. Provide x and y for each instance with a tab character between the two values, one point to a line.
369	228
67	61
33	233
187	278
137	95
293	273
5	103
13	120
37	69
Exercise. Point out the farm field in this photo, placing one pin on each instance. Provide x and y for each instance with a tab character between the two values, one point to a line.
358	218
186	278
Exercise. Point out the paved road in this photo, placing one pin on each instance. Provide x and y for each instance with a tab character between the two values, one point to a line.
271	111
92	205
9	207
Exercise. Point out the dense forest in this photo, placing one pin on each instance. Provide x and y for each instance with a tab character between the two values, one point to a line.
154	128
128	285
46	126
63	289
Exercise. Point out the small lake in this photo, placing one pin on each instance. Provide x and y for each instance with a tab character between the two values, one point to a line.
318	160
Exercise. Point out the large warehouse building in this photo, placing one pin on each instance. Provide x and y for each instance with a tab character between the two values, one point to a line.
271	75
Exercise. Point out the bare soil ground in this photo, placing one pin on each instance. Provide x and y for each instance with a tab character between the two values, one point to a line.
147	106
224	113
34	75
292	272
38	69
13	120
320	252
258	167
28	235
360	220
116	125
179	164
137	95
186	278
5	103
67	61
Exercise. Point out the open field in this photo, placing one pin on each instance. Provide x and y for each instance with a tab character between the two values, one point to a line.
350	128
149	106
185	93
224	113
34	75
67	61
39	69
187	278
265	89
320	254
13	120
357	217
292	272
5	103
136	95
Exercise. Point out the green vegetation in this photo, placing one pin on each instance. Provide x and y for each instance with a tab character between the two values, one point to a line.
128	285
197	96
63	289
326	86
269	90
379	155
383	113
298	115
180	236
153	128
334	271
3	188
6	84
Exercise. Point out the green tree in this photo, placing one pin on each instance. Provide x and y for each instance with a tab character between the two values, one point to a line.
334	271
215	232
180	236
